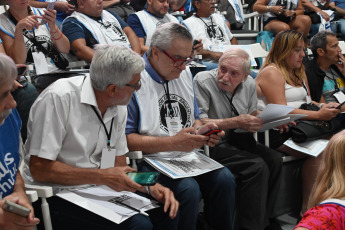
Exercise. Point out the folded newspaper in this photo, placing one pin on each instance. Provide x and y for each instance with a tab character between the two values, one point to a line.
181	165
108	203
313	148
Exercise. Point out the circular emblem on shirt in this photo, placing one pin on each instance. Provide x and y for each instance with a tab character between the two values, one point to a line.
213	31
181	111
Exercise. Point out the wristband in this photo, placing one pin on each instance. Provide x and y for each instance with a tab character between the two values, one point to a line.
320	105
268	8
148	190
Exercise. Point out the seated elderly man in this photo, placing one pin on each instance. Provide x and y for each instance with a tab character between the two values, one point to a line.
90	25
11	182
74	124
163	117
145	22
227	97
211	29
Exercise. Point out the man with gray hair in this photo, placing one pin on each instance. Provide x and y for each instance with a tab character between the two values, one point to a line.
327	70
76	138
11	182
163	117
227	97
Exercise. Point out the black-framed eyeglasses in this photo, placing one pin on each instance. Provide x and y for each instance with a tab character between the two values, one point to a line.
135	86
178	62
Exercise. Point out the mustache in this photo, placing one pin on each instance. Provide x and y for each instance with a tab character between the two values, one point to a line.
5	114
225	83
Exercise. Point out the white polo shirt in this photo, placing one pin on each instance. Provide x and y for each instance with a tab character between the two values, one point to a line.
62	126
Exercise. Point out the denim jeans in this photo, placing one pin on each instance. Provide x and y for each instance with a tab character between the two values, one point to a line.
217	188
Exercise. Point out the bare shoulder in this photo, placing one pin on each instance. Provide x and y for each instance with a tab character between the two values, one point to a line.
270	75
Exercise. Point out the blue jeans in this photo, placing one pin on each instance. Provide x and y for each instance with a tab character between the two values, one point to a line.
339	26
217	188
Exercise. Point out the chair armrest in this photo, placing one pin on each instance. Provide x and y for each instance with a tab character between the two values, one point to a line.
42	191
250	15
134	155
32	195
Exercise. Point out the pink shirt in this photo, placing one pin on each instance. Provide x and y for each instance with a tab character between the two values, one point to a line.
328	216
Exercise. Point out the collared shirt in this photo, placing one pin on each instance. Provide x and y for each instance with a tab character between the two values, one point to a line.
62	125
133	119
214	102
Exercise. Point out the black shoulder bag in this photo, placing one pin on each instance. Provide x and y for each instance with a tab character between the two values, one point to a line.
59	60
308	130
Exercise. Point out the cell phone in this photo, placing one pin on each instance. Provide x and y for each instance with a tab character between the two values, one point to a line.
341	104
16	208
50	6
21	70
212	131
144	178
195	42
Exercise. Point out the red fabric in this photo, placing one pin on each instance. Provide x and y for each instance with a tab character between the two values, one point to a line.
325	216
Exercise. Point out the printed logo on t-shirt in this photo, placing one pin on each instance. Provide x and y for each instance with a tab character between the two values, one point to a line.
8	172
213	31
180	109
161	22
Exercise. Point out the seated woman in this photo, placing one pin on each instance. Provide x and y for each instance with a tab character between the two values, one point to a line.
24	36
280	15
282	80
327	203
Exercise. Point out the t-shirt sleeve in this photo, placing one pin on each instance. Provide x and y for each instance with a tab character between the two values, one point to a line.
134	22
123	24
132	125
73	29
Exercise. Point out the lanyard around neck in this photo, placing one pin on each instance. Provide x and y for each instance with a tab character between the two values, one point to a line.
233	108
209	28
105	128
334	80
171	111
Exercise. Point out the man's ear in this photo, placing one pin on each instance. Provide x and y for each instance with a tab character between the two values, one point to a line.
80	4
112	90
155	52
197	4
149	2
320	52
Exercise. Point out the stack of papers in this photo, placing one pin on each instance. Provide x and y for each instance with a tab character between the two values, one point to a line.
103	201
312	148
180	165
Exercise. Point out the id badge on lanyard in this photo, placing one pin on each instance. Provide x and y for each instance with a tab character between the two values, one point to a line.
174	125
340	96
108	158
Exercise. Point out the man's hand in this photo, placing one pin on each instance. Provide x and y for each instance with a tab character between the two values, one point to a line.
117	179
16	85
341	66
213	138
186	140
10	221
325	16
166	196
249	122
198	48
64	7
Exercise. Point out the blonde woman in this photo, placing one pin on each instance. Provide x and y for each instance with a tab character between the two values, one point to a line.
327	203
282	80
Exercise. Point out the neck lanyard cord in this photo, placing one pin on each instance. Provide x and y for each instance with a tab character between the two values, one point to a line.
105	128
171	112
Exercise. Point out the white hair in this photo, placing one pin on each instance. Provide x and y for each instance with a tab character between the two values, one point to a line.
114	65
166	33
8	70
238	53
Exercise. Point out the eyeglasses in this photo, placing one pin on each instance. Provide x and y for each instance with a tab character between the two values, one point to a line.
135	86
178	62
